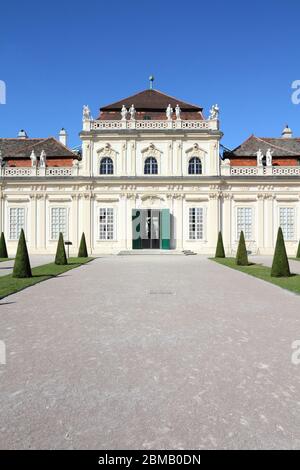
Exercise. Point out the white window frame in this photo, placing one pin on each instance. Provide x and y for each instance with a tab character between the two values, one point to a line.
66	234
291	209
113	224
238	229
17	208
201	224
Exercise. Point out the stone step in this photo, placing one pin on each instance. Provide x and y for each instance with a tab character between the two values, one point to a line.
150	252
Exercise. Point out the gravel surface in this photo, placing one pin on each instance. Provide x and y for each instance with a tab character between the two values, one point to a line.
148	352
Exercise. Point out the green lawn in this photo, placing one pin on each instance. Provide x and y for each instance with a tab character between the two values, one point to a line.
5	259
263	272
10	285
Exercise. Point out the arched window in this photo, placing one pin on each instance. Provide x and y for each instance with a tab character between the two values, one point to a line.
106	166
195	166
150	167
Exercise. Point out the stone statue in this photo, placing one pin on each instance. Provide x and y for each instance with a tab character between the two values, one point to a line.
214	112
75	163
123	113
169	112
269	155
43	159
33	159
260	157
86	113
132	112
177	112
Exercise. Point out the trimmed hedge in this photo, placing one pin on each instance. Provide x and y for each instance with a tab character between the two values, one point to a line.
241	255
82	252
220	252
22	268
280	265
3	249
61	257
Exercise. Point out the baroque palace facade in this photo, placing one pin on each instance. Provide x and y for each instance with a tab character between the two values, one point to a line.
150	176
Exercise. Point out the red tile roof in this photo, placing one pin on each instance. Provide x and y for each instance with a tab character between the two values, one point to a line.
22	148
151	100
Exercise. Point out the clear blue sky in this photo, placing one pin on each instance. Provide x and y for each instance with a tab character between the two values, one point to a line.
58	55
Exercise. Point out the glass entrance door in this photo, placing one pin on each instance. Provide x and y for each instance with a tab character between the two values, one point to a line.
150	229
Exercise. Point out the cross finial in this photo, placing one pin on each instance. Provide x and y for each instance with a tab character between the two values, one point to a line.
151	80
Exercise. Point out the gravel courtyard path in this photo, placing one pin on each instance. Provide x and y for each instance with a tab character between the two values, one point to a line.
162	352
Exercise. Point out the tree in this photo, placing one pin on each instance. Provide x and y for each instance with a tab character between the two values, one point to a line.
280	265
241	255
3	249
82	252
220	252
22	263
61	257
298	251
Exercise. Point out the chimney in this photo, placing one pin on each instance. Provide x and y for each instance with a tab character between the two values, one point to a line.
22	134
287	133
63	136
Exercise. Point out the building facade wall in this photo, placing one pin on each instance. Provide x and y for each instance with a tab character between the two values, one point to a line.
220	200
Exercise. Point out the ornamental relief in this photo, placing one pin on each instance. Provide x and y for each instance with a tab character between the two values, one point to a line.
152	197
107	151
151	151
195	151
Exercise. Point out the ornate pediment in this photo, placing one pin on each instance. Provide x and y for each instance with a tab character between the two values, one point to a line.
151	151
195	151
107	151
152	198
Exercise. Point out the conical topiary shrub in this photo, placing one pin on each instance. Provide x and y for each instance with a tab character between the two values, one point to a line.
241	255
82	252
22	264
298	251
220	252
280	265
3	249
61	257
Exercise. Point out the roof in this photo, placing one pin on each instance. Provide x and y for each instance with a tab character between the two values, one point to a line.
289	147
22	148
151	100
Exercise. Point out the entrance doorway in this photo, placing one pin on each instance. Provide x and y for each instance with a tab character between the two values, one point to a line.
151	229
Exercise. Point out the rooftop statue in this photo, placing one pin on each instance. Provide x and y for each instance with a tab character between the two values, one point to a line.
132	112
214	112
123	113
169	112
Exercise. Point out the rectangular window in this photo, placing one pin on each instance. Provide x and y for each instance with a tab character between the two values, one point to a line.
287	222
244	222
195	223
16	222
58	222
106	224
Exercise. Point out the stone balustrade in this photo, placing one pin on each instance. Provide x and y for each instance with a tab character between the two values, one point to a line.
212	124
227	170
7	171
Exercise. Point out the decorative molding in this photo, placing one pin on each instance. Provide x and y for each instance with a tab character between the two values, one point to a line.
195	151
107	151
151	151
